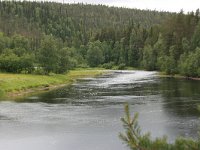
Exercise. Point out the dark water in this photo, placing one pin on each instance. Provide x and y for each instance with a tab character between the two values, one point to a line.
86	115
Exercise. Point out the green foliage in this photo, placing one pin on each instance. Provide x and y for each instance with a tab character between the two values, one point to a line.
189	65
16	64
167	64
39	71
95	54
136	141
196	37
20	42
132	135
48	56
66	60
109	65
57	39
62	21
149	58
121	66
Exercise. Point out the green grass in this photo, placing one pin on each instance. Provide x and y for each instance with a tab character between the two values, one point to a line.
17	82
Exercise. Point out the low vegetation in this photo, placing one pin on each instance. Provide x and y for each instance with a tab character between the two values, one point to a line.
137	141
19	82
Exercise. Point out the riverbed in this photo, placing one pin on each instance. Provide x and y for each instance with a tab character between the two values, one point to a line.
86	115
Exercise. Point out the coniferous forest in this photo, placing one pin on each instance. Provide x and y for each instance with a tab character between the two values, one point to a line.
44	37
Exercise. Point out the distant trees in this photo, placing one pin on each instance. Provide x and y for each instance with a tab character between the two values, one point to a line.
189	65
56	38
195	41
149	58
68	59
48	54
53	59
16	64
14	54
95	54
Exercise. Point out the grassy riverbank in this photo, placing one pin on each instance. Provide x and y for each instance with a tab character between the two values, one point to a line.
19	84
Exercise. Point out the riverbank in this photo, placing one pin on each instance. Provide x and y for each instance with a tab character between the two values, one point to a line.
14	85
161	74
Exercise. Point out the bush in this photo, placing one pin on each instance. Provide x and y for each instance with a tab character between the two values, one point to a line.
122	66
189	64
83	65
15	64
39	71
108	65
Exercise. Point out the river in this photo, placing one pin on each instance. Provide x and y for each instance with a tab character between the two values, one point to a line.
86	115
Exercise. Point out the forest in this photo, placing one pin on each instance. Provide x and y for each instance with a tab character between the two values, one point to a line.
44	37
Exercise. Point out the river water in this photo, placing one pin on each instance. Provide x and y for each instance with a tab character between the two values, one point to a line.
86	115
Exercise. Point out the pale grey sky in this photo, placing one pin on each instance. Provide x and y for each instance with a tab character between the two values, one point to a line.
167	5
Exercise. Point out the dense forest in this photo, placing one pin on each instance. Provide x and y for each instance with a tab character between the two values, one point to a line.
44	37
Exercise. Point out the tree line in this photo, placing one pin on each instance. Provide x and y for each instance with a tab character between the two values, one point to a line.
52	37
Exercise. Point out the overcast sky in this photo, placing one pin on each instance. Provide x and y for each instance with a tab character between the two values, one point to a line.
167	5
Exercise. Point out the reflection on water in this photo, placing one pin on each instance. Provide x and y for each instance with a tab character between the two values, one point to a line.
86	115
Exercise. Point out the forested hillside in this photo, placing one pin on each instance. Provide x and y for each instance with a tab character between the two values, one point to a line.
43	37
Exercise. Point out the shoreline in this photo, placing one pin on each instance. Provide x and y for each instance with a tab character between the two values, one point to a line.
177	76
66	80
69	78
30	91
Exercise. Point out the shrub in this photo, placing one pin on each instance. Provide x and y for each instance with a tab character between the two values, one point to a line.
122	66
39	71
108	65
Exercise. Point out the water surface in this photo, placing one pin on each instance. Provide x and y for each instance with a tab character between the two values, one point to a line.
86	115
